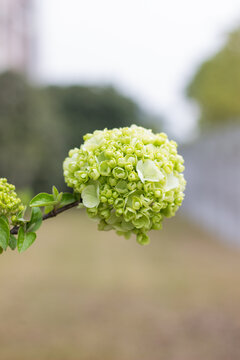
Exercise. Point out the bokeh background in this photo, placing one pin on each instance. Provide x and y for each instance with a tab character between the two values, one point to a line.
68	68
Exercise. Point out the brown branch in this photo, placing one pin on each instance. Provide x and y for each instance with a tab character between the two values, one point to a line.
50	215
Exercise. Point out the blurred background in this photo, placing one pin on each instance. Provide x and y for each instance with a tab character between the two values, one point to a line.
68	68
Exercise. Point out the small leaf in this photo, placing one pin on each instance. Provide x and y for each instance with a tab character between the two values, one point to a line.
25	239
36	220
29	240
59	197
43	199
48	209
20	217
67	198
12	242
55	192
4	234
1	250
21	238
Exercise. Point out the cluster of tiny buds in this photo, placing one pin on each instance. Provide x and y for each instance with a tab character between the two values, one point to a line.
129	178
10	204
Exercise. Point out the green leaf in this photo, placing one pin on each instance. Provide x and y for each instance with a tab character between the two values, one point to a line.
12	242
20	217
4	234
29	240
4	218
25	239
67	198
36	220
56	195
21	238
1	250
55	192
48	209
43	199
59	197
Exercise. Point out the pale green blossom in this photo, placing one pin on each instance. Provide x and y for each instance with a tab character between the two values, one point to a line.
128	178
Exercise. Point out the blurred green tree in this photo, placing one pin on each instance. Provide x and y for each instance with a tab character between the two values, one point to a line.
30	135
38	125
216	85
84	109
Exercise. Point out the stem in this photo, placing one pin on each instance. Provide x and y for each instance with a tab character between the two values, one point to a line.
50	215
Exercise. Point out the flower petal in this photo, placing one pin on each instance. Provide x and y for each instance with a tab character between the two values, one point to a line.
94	142
148	171
90	196
172	182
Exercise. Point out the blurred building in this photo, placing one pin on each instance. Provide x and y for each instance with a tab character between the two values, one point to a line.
213	182
16	35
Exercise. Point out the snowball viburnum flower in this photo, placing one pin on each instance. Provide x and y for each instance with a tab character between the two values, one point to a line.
128	178
10	204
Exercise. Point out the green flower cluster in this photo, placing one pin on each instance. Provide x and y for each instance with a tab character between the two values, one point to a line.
128	178
10	204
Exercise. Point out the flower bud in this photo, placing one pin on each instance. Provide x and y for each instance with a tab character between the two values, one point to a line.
10	204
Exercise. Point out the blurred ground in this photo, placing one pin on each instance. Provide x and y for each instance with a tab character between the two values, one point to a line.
80	294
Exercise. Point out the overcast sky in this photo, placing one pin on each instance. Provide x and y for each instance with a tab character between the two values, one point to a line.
149	49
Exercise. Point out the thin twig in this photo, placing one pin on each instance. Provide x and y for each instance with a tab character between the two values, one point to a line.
50	215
